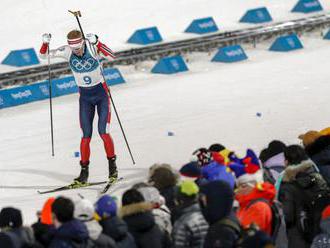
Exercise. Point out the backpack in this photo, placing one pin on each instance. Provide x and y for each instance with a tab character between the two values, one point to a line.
245	236
313	196
268	174
279	235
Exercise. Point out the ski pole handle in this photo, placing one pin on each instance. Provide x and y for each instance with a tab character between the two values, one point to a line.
75	13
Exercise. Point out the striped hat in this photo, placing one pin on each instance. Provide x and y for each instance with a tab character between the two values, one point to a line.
247	169
76	43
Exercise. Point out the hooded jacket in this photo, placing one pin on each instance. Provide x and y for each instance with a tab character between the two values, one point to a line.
319	152
218	210
141	224
275	165
259	212
70	234
290	197
190	229
117	229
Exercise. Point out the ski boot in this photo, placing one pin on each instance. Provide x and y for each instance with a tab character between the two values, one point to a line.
84	172
113	173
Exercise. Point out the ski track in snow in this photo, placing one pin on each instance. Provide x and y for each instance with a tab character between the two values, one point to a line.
213	102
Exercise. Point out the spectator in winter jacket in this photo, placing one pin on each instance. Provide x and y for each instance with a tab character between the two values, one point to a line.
251	188
164	178
13	233
113	226
317	147
323	239
190	228
44	228
216	202
84	211
295	191
69	231
272	159
136	212
253	211
161	213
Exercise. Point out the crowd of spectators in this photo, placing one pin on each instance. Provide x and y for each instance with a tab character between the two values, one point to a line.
280	198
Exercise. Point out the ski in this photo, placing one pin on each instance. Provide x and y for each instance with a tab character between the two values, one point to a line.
71	186
109	185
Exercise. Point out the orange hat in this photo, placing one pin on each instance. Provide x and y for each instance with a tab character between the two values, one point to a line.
309	137
46	212
325	131
326	213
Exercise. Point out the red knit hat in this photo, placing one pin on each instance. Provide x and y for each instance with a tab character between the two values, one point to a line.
326	213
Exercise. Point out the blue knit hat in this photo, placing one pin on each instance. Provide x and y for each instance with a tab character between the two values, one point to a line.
106	206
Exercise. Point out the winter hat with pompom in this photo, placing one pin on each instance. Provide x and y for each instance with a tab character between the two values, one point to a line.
84	210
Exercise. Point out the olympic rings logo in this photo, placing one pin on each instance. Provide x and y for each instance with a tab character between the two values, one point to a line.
82	65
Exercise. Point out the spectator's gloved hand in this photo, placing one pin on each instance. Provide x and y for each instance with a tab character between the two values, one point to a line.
46	38
93	38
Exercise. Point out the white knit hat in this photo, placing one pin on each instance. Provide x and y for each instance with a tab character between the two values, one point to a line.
84	210
256	177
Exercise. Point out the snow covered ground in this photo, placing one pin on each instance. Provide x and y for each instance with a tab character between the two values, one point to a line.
213	102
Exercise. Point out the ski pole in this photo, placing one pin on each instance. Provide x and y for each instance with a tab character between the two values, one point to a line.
50	103
77	14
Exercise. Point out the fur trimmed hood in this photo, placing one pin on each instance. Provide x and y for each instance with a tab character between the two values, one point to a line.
135	208
292	171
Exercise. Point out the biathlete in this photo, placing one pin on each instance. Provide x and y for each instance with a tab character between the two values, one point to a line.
93	92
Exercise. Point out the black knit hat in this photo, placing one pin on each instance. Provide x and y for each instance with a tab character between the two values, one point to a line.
131	196
274	147
63	209
10	217
216	147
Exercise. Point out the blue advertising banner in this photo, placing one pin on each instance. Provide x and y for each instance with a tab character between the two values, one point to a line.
170	65
327	36
307	6
113	76
202	26
23	57
64	86
258	15
24	94
145	36
230	54
286	43
40	91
